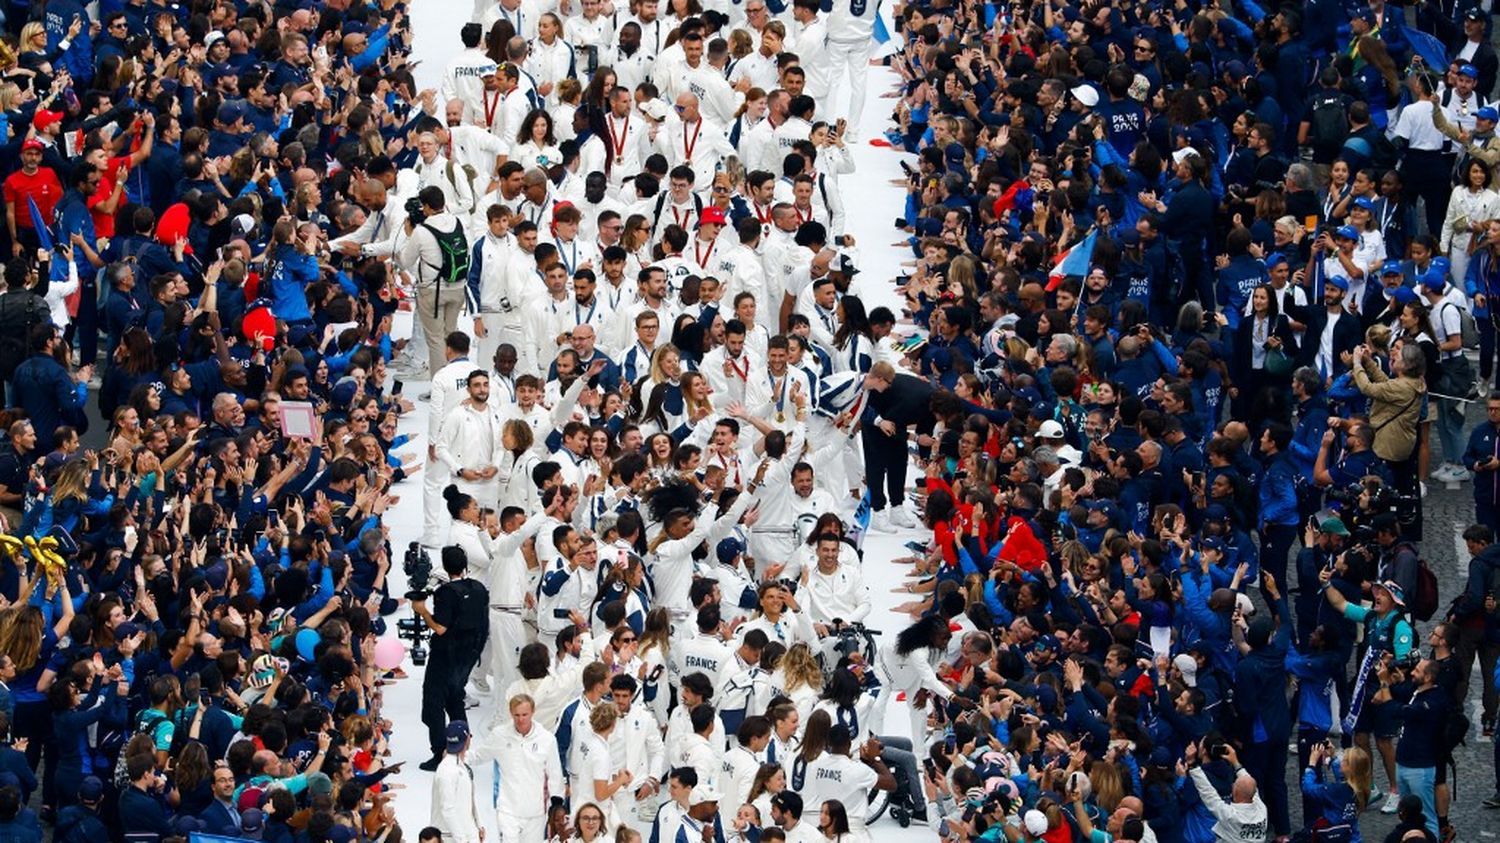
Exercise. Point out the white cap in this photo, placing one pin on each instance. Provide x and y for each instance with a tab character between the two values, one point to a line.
1035	822
1050	429
211	38
1189	668
703	793
655	109
1242	602
1086	94
241	225
1182	154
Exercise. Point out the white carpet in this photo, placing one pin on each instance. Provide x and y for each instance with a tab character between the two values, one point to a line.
874	203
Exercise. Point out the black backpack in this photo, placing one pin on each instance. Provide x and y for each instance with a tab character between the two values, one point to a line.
471	617
20	311
1329	122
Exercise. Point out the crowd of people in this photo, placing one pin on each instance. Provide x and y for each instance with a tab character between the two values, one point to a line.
1197	304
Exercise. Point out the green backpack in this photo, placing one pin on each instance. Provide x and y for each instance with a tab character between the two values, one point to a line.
455	248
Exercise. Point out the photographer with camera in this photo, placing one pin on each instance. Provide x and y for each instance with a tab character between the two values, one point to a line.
439	249
1395	411
1389	637
459	620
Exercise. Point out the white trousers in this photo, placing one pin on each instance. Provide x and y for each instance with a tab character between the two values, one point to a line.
503	652
435	517
514	829
855	60
483	351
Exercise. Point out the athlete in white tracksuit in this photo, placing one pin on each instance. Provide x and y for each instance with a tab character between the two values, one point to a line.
851	30
449	386
493	307
468	444
527	770
508	585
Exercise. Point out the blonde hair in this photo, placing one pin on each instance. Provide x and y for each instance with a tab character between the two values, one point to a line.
740	44
1107	784
603	717
1354	763
569	91
72	482
658	372
30	31
21	630
801	668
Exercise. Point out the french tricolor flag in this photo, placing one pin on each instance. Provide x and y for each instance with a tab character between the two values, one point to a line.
887	40
1074	261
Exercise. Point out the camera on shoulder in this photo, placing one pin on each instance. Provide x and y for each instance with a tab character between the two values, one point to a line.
415	211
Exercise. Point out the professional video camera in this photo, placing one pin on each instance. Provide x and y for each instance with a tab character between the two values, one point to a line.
1368	497
418	568
415	211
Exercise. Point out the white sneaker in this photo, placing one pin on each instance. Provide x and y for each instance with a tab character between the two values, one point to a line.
1392	802
1454	473
900	518
880	522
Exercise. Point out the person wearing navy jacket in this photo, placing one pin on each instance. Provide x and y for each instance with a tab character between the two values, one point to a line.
1278	499
1260	697
50	395
1482	456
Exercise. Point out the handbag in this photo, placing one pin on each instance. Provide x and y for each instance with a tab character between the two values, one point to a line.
1279	363
1455	377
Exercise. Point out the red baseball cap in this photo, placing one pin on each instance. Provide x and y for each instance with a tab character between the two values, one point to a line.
32	143
44	118
711	216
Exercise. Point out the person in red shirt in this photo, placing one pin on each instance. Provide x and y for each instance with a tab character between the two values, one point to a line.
37	183
113	172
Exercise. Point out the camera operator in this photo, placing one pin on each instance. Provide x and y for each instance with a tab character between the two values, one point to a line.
1337	468
439	249
459	620
1395	560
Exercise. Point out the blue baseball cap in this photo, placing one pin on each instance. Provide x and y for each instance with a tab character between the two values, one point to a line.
1347	232
1433	279
1404	295
1364	202
1275	260
1337	281
1392	268
1469	70
1488	113
728	550
457	735
1213	543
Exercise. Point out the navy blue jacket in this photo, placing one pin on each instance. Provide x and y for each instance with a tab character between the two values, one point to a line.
49	395
1260	686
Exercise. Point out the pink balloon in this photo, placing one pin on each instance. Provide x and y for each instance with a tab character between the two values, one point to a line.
389	653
